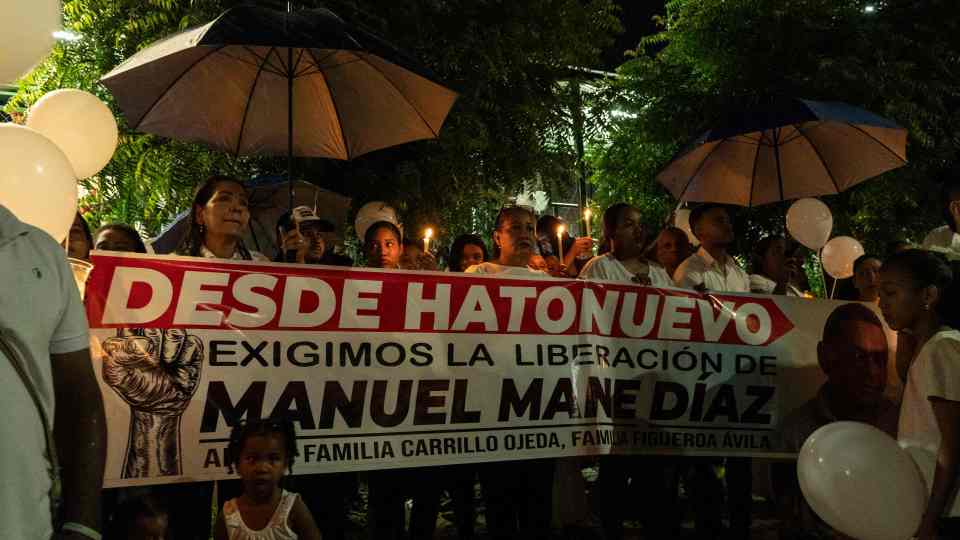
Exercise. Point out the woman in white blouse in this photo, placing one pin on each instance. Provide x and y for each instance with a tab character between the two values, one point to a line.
519	494
218	218
624	231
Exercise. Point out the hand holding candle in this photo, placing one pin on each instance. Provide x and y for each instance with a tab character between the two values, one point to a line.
427	235
560	231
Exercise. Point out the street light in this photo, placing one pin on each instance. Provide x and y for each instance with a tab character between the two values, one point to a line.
870	9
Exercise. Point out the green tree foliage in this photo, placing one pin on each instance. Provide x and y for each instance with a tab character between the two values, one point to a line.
898	60
504	58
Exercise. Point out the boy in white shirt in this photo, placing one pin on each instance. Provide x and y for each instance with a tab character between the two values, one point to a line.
711	268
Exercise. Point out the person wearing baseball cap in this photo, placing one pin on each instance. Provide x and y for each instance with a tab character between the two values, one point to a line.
300	237
306	238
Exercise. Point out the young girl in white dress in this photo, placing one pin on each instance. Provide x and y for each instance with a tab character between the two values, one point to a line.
262	451
916	296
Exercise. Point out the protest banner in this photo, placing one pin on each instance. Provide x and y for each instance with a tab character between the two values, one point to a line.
383	369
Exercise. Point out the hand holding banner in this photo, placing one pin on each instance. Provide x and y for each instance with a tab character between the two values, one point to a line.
383	369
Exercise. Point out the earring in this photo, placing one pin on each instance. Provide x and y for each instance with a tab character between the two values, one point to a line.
201	229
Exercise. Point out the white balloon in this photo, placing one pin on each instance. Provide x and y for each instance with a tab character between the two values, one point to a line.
36	180
681	220
810	222
371	213
859	481
27	36
839	255
81	125
926	461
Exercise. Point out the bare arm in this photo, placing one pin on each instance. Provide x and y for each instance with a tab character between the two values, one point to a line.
948	460
301	521
80	432
906	351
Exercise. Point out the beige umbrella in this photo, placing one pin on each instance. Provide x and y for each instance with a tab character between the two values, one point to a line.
261	81
790	149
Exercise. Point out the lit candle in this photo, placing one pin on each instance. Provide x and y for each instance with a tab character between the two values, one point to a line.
427	235
560	231
586	219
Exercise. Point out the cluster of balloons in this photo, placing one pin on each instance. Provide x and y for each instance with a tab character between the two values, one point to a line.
862	483
810	222
69	134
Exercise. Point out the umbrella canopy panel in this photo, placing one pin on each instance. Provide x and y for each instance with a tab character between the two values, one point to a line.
813	157
223	84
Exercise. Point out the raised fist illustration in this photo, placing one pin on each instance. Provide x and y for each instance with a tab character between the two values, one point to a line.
156	372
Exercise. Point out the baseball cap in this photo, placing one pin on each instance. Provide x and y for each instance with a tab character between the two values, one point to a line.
297	217
303	214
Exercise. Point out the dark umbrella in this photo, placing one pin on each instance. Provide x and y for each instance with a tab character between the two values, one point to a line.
268	199
790	149
245	81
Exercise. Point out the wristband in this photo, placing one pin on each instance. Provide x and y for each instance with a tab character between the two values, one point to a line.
82	530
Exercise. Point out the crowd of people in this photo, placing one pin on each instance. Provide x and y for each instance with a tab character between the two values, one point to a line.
912	288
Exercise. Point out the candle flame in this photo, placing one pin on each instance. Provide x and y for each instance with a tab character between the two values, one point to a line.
586	214
428	233
560	230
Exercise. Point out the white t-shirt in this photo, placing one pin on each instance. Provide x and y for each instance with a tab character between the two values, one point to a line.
494	268
41	307
702	269
943	239
934	373
609	268
237	256
278	528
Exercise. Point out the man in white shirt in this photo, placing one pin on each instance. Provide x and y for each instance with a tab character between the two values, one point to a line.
711	268
853	355
49	388
946	238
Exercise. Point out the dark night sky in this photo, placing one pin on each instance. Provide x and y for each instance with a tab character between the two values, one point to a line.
636	16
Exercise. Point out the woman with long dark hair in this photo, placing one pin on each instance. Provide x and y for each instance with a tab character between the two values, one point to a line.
625	237
466	251
625	261
219	215
918	294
